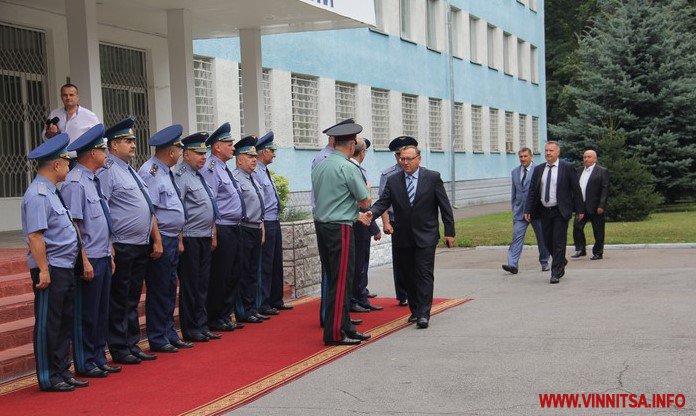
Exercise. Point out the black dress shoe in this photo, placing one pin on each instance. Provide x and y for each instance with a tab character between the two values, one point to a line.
252	320
269	312
222	327
375	307
197	338
145	357
578	254
77	383
96	372
422	323
510	269
211	335
545	268
359	335
596	257
372	295
168	348
403	303
110	368
356	321
284	307
412	318
61	387
128	359
262	316
344	341
554	280
358	308
237	325
181	344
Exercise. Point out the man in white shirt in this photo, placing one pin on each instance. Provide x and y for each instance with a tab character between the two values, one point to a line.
72	118
594	184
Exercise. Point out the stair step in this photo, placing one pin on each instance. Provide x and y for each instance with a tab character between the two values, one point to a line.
13	261
13	308
15	284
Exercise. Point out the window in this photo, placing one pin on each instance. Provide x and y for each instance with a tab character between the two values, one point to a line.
380	118
508	132
24	99
456	32
533	65
204	93
241	99
521	74
124	92
535	134
533	5
345	101
491	47
379	15
435	123
507	42
473	39
431	12
409	112
266	86
476	135
305	110
493	129
523	130
458	127
405	14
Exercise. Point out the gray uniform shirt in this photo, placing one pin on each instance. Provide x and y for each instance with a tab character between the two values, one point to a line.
168	207
225	194
130	211
200	215
386	173
251	192
80	195
270	194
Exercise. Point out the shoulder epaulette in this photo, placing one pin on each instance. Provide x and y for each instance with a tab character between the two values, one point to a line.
388	170
153	169
42	189
211	165
75	176
181	170
108	163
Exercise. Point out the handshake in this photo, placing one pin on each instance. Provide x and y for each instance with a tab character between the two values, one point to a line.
365	218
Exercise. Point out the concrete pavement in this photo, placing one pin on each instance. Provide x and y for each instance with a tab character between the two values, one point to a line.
623	324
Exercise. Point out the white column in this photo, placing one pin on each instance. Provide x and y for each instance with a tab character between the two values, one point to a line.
83	51
250	45
180	44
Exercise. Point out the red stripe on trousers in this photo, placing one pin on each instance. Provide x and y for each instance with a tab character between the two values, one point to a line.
341	284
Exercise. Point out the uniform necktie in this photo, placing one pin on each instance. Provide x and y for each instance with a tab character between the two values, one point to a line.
258	194
178	191
524	176
410	189
547	193
102	202
142	189
210	194
268	172
239	191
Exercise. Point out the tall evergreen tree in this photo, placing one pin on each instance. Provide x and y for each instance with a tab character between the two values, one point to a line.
638	73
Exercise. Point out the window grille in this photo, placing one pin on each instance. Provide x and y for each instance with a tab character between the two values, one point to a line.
459	127
124	92
409	112
345	101
380	118
508	132
535	135
241	99
266	87
490	40
476	136
23	105
493	129
523	130
435	123
305	110
473	39
204	93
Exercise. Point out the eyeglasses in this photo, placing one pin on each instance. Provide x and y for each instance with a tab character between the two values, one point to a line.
408	159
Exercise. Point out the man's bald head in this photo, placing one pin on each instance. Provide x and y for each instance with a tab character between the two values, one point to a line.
589	158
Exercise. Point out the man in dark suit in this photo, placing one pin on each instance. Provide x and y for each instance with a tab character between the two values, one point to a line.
553	196
416	194
594	184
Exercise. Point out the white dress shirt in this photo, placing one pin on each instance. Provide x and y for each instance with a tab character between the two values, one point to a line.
554	184
75	126
584	178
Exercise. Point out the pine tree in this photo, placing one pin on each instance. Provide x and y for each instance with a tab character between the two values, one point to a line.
638	73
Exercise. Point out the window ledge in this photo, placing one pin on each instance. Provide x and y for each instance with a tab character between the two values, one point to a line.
431	49
307	147
495	152
475	63
535	83
478	152
493	68
408	40
460	151
509	74
436	151
457	57
379	31
510	153
382	150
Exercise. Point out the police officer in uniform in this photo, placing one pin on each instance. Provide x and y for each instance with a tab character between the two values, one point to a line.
395	146
83	197
53	251
136	239
340	191
169	211
252	231
270	299
198	238
224	274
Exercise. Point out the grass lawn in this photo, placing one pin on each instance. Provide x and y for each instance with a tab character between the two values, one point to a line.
676	225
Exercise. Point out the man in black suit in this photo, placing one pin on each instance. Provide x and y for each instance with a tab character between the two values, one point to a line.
594	184
553	196
416	194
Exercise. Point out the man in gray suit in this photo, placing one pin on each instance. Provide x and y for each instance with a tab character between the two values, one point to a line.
521	177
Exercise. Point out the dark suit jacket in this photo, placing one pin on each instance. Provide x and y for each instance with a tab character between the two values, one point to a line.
417	225
568	193
597	189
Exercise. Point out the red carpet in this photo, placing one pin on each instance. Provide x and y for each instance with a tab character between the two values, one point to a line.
215	376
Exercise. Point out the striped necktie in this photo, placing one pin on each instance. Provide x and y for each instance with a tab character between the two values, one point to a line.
410	189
